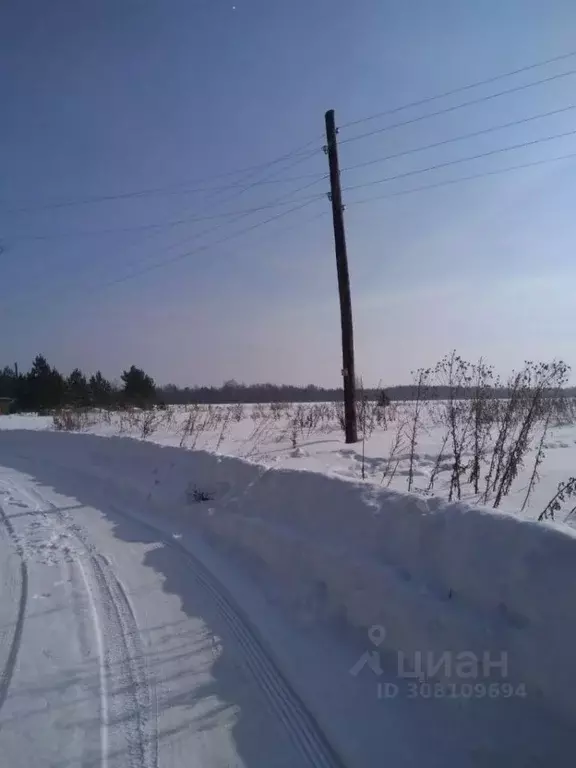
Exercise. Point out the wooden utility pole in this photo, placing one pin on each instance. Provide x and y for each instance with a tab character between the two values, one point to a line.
350	425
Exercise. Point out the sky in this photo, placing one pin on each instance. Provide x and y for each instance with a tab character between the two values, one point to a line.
200	121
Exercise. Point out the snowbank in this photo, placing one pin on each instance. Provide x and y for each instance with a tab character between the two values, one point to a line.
437	577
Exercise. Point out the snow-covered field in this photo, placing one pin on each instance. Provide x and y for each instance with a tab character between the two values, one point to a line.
170	607
309	436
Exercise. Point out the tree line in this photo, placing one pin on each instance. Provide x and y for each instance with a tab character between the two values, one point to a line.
43	388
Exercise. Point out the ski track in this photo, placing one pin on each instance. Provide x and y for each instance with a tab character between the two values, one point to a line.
126	698
131	705
10	664
304	731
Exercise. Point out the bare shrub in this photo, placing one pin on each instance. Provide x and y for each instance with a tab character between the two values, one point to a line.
260	432
506	418
225	423
210	419
456	374
551	408
395	454
538	459
278	410
189	424
340	416
105	415
129	420
259	411
564	410
198	495
294	433
441	457
148	424
369	413
166	418
566	490
69	420
422	381
537	380
238	412
481	419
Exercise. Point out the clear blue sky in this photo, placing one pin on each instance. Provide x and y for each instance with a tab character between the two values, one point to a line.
101	98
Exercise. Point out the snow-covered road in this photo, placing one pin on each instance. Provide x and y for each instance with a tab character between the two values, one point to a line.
101	667
127	640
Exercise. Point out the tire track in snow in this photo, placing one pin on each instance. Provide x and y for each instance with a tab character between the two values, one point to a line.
301	726
10	665
102	672
130	701
304	731
126	708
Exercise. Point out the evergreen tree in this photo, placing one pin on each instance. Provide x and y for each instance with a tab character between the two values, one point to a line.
101	390
8	383
43	388
139	388
78	392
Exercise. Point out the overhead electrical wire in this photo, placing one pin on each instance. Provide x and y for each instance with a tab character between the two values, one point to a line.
164	225
460	89
179	257
460	137
296	158
285	197
126	278
182	189
161	193
201	248
257	225
459	160
460	179
303	153
172	189
455	107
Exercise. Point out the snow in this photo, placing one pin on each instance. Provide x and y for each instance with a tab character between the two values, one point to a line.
131	640
118	651
309	436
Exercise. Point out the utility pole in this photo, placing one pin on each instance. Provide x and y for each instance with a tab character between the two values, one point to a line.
331	149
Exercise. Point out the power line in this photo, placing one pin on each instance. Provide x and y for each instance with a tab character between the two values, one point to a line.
205	247
168	224
455	107
241	216
226	238
460	89
284	199
460	160
199	249
173	189
214	228
460	137
460	179
163	192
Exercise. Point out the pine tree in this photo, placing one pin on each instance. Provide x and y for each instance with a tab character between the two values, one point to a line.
77	390
8	382
139	388
43	388
101	390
